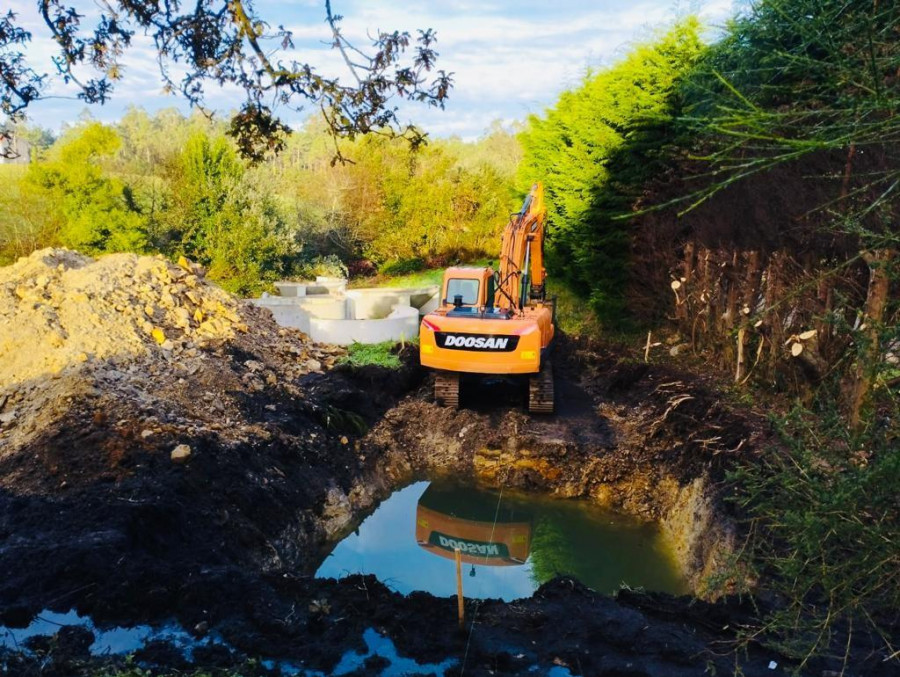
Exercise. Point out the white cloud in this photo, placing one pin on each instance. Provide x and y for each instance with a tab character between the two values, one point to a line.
508	58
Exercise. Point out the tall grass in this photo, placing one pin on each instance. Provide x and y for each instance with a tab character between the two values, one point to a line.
19	231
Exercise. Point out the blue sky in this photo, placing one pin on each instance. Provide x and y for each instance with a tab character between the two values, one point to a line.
509	59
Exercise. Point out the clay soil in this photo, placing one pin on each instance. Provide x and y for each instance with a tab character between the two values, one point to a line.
97	514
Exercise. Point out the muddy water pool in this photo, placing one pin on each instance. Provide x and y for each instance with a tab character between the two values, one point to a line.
509	543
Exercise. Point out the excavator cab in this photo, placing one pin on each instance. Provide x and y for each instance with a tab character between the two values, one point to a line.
471	291
496	322
465	290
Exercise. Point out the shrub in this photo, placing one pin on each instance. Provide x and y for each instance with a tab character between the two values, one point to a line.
378	354
403	267
826	523
93	212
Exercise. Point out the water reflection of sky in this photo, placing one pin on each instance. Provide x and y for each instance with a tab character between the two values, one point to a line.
124	640
385	545
107	640
600	548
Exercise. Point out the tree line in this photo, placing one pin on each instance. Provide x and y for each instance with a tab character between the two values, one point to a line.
176	185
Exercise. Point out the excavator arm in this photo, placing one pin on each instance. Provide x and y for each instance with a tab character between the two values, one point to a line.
521	270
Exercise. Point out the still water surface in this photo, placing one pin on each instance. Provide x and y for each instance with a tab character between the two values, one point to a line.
509	544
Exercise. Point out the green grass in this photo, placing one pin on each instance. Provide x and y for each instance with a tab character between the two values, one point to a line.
379	354
573	313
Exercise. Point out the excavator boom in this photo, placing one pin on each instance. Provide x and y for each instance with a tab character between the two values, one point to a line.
522	253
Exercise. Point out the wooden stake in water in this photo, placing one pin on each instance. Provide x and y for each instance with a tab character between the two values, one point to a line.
459	590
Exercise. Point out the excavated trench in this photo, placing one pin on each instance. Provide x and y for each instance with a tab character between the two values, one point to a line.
175	468
546	464
654	451
227	547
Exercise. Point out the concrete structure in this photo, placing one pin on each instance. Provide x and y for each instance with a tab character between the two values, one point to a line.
330	313
401	325
291	289
322	285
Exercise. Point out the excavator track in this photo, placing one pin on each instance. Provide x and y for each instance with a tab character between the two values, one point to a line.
446	389
540	391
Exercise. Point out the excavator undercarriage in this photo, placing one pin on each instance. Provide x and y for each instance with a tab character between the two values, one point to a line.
446	388
540	390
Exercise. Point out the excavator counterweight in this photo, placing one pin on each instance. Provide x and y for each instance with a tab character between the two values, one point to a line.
496	322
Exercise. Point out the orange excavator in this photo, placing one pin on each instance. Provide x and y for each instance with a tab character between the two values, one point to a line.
499	322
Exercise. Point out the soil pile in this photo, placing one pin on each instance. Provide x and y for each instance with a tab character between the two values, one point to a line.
163	444
153	427
143	329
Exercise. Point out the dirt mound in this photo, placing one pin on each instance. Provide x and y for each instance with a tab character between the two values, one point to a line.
149	413
140	327
160	438
65	308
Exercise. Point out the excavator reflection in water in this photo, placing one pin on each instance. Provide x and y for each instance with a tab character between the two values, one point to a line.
516	543
486	531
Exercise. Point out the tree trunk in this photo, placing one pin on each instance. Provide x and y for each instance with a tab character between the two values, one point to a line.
688	273
749	294
870	355
826	305
685	312
730	315
739	369
752	281
706	302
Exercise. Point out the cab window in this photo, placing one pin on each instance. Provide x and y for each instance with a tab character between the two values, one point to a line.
468	289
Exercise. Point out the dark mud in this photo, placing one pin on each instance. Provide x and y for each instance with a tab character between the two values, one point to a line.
94	516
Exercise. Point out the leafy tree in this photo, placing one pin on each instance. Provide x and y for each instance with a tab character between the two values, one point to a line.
93	212
593	150
218	218
221	42
810	88
793	78
392	204
498	148
39	139
295	214
433	209
552	552
150	142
